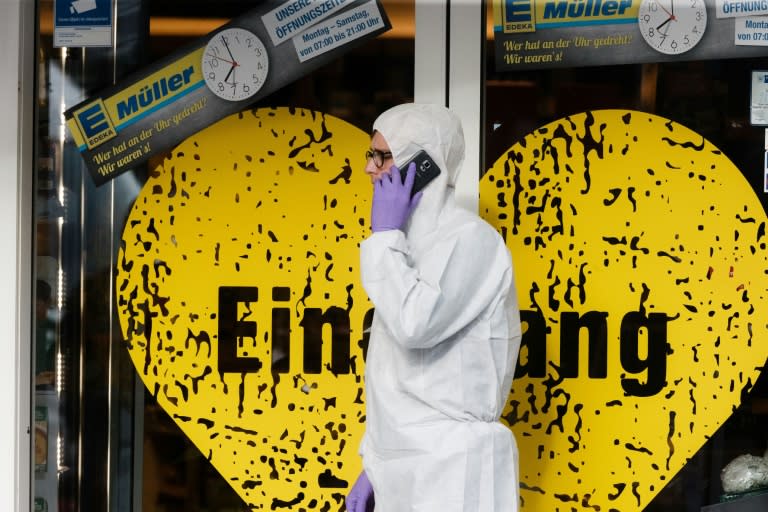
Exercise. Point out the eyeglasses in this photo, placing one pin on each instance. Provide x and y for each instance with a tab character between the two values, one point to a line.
379	157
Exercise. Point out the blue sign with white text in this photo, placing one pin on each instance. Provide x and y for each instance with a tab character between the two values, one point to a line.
82	23
78	13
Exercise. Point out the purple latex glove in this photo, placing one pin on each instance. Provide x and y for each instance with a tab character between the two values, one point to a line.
360	498
392	201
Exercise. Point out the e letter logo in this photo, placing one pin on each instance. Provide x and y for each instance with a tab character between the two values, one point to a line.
94	123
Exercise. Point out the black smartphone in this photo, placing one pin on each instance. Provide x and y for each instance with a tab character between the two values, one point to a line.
426	170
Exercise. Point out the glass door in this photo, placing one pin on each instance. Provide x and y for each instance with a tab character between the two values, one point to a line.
107	435
605	172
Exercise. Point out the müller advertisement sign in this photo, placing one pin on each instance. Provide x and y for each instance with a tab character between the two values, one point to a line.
532	34
238	64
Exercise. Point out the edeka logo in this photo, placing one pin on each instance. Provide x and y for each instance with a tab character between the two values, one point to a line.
94	123
101	120
240	304
640	256
518	16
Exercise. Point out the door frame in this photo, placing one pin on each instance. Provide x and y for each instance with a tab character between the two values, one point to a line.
448	71
17	23
448	66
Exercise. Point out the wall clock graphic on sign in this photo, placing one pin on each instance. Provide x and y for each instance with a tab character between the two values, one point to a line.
672	26
235	64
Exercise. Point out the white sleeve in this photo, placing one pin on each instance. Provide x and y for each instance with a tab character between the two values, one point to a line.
423	303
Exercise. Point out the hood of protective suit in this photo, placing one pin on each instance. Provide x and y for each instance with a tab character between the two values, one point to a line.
411	127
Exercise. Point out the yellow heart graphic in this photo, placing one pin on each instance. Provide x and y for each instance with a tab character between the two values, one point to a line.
240	302
640	262
640	259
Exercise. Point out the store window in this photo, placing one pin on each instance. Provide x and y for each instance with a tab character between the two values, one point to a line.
104	440
674	405
590	169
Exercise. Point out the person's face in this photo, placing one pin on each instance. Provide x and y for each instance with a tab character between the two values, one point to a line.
381	155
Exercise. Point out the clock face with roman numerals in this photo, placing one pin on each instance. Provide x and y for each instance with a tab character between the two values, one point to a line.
235	64
672	27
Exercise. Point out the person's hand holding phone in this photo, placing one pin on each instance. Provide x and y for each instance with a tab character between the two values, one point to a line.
426	170
392	201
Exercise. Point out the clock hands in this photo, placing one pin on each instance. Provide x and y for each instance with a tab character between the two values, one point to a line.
672	29
234	78
220	58
231	70
670	14
234	62
228	64
224	40
672	5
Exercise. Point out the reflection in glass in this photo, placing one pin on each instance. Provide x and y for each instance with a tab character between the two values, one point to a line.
101	440
700	95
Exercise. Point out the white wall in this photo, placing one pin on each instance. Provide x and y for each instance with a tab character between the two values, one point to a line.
16	95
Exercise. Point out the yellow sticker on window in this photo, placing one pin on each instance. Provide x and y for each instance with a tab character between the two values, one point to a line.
241	305
640	259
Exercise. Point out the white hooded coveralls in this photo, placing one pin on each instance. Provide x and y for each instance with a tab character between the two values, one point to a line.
444	341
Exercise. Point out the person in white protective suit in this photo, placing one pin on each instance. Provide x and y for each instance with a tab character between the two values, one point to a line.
445	334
